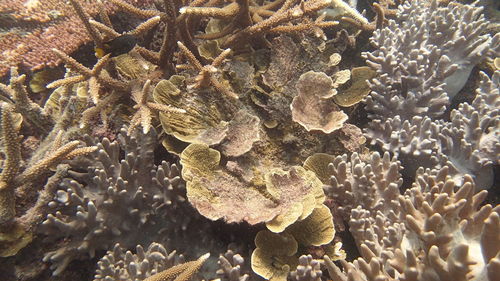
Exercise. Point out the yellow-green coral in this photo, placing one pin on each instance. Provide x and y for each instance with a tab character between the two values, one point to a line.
276	196
201	123
277	253
359	88
274	255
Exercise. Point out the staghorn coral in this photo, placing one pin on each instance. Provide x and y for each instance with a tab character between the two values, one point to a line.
181	272
17	179
28	188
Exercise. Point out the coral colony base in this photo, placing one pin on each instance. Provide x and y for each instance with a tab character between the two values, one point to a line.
249	140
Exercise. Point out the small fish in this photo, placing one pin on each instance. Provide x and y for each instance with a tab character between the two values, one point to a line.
118	46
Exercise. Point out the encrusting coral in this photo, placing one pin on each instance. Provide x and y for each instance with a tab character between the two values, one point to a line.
233	133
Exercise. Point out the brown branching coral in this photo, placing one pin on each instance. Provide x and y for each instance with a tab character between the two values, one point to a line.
86	73
12	162
16	230
287	13
206	73
24	174
10	178
144	109
32	113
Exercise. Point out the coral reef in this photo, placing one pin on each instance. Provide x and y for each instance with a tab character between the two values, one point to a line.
120	265
423	59
432	229
227	140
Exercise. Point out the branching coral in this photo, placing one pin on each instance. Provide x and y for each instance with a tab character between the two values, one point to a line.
247	94
423	60
113	198
432	229
155	264
124	265
231	267
16	178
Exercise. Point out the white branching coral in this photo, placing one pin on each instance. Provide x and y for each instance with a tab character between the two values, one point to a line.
423	59
434	230
112	199
231	267
119	264
470	142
